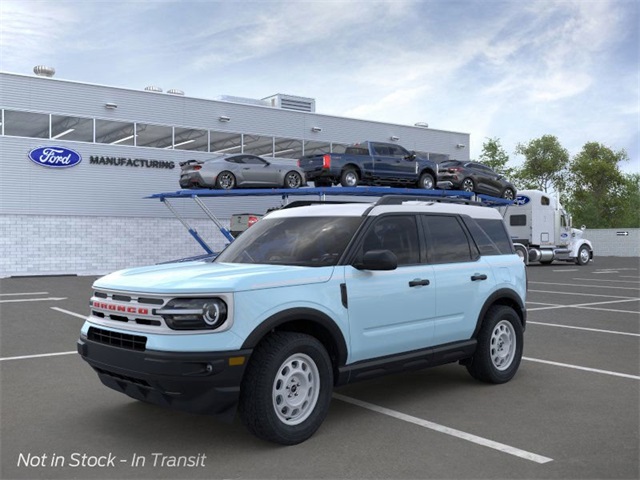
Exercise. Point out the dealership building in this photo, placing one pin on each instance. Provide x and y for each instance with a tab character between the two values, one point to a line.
121	145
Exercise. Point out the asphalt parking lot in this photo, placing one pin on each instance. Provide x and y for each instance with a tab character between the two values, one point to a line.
572	411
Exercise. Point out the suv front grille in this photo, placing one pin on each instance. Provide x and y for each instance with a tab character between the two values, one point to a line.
117	339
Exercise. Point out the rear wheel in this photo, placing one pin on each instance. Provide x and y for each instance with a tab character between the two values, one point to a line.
499	349
426	182
286	390
468	185
349	178
226	180
292	180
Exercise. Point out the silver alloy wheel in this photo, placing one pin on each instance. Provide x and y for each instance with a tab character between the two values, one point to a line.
467	185
584	255
350	179
293	180
296	389
226	180
427	182
508	194
503	345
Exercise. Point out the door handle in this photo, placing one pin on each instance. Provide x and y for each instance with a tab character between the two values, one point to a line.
478	277
418	283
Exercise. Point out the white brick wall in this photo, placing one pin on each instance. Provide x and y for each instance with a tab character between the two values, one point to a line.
53	245
607	242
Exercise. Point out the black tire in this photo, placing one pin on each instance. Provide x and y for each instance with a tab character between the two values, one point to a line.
322	182
225	180
426	182
522	252
509	194
546	262
292	180
468	185
491	363
273	369
584	255
349	178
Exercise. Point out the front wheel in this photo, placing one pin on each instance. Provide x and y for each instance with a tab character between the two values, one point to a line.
426	182
292	180
286	391
583	255
499	349
508	194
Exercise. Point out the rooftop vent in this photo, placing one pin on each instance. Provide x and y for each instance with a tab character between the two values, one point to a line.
175	91
153	88
44	71
291	102
243	100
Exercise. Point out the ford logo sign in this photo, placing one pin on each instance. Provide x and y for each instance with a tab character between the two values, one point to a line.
55	157
564	235
521	200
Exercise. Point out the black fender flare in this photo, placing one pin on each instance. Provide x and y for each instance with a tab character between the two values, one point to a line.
297	316
502	296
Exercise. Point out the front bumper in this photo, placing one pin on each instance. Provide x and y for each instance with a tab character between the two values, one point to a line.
195	382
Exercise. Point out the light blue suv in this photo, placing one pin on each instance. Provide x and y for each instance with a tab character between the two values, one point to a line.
311	298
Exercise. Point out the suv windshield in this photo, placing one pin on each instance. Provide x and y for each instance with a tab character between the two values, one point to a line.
302	241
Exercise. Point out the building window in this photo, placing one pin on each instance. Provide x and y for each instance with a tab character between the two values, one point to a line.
225	142
258	145
154	136
26	124
287	148
72	128
115	133
191	139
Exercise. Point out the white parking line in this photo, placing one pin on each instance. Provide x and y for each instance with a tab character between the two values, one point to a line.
449	431
586	369
42	355
583	294
605	280
73	314
588	306
24	293
16	300
571	270
597	330
589	286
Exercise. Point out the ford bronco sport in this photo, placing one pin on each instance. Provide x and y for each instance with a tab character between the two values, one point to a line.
307	299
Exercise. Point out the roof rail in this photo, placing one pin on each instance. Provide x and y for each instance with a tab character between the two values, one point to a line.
399	199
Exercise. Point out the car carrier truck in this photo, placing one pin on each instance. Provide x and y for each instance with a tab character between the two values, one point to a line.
541	230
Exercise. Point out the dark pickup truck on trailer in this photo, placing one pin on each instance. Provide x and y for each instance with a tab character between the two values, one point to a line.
371	163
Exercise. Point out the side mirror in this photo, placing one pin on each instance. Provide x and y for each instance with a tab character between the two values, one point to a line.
378	260
583	228
411	156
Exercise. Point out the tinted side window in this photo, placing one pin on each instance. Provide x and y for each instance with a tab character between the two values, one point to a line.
398	233
518	220
446	240
490	235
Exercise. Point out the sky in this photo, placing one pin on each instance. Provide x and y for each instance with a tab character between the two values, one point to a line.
513	70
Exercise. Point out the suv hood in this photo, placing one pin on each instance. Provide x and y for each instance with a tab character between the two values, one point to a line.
205	277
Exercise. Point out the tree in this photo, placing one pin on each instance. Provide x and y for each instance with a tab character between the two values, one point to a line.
545	164
494	156
600	195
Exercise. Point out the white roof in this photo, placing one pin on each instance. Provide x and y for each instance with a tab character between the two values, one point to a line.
357	209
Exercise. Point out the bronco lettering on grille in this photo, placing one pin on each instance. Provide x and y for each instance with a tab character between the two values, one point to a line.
120	308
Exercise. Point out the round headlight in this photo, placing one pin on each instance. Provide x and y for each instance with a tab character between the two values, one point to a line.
214	313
